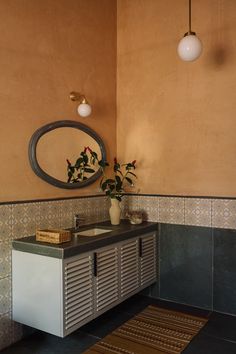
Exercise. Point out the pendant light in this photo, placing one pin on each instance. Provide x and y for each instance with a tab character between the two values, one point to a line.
190	46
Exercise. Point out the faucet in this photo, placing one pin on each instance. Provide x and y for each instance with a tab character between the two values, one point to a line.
77	221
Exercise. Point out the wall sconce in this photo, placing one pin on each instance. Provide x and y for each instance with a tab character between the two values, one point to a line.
190	47
84	109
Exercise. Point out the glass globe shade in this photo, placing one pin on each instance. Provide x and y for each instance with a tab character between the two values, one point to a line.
190	47
84	109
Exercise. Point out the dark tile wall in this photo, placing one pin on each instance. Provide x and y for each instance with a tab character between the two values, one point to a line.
197	267
186	264
224	299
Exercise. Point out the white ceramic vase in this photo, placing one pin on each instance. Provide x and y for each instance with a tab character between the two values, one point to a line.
115	211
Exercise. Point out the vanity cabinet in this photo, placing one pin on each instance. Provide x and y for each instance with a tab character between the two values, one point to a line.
60	295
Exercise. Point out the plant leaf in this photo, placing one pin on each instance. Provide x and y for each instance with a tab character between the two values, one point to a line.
129	180
104	186
110	181
132	174
103	163
79	161
89	170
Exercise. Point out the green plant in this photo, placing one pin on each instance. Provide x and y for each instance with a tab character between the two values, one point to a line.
113	187
83	166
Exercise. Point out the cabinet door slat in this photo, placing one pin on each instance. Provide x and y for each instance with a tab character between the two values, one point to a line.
106	282
112	251
131	259
73	286
108	272
130	286
107	278
77	299
106	301
148	260
76	263
81	305
79	318
129	278
112	286
72	276
129	267
78	291
108	263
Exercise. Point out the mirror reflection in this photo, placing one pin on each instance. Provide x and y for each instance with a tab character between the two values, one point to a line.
61	145
55	152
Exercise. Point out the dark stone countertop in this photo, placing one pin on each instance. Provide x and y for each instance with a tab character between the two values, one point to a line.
82	244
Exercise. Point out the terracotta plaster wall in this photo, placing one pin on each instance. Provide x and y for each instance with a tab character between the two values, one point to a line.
49	48
178	118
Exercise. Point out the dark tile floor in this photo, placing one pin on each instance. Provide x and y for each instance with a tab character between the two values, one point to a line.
217	337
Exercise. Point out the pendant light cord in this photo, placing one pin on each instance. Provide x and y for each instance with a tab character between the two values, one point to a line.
189	16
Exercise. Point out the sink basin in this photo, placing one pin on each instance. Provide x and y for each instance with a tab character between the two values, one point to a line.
91	232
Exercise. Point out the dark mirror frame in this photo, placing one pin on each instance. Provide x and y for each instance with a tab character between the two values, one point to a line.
32	151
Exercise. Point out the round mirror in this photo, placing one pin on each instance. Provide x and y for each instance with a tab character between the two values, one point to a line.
55	145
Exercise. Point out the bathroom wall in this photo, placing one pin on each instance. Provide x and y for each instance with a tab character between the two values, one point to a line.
177	118
48	49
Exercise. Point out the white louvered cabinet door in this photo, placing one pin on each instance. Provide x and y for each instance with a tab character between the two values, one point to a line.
129	267
148	268
106	272
78	292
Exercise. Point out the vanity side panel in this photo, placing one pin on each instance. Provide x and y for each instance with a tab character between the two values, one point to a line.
37	291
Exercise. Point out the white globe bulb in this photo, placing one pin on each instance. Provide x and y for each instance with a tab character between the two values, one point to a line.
190	47
84	109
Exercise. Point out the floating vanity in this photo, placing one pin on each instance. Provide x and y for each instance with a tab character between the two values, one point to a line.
59	288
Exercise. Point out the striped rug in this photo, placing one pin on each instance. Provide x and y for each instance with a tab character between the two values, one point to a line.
152	331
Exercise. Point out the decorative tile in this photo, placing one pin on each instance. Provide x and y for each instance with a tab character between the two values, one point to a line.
135	202
50	213
124	206
81	207
76	205
26	219
5	259
6	330
66	213
197	212
224	213
5	222
171	210
5	295
105	208
147	204
150	207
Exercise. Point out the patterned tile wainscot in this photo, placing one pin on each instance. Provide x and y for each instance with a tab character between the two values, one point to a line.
21	220
210	212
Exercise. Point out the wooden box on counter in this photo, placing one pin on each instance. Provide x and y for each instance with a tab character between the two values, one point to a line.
53	236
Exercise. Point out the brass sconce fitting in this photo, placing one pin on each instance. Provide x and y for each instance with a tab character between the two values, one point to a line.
84	109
